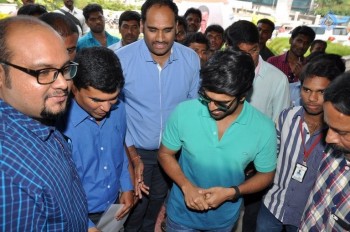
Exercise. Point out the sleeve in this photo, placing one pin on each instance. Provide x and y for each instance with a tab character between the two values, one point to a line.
171	136
125	179
266	159
193	93
279	124
282	97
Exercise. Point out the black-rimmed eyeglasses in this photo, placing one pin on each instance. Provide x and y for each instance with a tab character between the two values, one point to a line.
222	105
47	76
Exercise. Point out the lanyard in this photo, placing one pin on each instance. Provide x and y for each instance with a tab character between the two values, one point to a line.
313	145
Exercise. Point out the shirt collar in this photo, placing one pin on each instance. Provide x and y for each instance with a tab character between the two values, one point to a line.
259	66
301	112
22	120
77	114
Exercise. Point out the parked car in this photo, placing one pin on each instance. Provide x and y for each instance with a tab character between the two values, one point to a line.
335	34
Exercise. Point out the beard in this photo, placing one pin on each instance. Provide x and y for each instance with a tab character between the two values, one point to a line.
49	117
224	114
340	150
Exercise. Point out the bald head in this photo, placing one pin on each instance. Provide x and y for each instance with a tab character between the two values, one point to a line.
17	24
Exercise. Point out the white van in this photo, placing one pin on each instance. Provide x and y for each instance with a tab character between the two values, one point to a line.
335	34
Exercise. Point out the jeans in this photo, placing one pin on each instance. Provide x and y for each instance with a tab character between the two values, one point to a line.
144	216
267	222
172	226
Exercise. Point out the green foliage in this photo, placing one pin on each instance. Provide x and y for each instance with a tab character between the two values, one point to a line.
339	7
281	45
115	5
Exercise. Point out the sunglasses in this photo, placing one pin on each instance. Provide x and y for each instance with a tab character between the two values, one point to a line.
222	105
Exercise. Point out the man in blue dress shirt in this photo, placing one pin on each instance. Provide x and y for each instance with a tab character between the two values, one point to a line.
96	124
40	187
159	74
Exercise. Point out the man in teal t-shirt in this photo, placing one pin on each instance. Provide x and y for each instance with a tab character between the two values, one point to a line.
218	134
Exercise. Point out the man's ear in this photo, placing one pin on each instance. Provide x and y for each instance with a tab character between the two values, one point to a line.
242	100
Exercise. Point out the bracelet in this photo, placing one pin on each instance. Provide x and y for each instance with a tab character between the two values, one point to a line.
237	193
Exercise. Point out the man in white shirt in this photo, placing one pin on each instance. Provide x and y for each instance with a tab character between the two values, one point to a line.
72	12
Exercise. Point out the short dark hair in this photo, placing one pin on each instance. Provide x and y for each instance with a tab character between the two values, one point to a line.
197	37
60	23
128	16
318	41
32	9
268	22
241	31
182	21
91	8
100	69
228	72
216	28
149	3
193	11
322	66
304	30
338	93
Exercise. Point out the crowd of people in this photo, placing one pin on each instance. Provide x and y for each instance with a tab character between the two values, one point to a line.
211	125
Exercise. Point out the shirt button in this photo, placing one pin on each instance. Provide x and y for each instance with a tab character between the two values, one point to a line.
108	186
105	167
214	133
101	148
328	190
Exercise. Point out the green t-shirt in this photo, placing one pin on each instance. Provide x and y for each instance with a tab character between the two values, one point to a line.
208	162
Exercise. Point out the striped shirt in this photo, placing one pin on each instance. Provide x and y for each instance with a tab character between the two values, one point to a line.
287	197
40	189
328	208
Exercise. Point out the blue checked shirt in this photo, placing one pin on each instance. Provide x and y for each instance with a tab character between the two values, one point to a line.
40	189
328	207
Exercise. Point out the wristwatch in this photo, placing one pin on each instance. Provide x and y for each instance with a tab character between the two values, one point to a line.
237	193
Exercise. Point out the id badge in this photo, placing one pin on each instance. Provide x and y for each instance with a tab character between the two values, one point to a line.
299	172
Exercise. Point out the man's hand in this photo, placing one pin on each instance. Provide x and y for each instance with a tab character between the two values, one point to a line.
93	229
140	186
126	198
195	198
217	195
297	68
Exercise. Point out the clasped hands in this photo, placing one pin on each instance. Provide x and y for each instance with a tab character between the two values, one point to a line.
206	199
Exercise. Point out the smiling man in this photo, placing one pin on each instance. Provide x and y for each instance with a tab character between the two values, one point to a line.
300	133
40	190
291	62
159	74
96	124
218	136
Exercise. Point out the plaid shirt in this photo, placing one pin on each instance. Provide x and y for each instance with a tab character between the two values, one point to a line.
40	189
328	207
